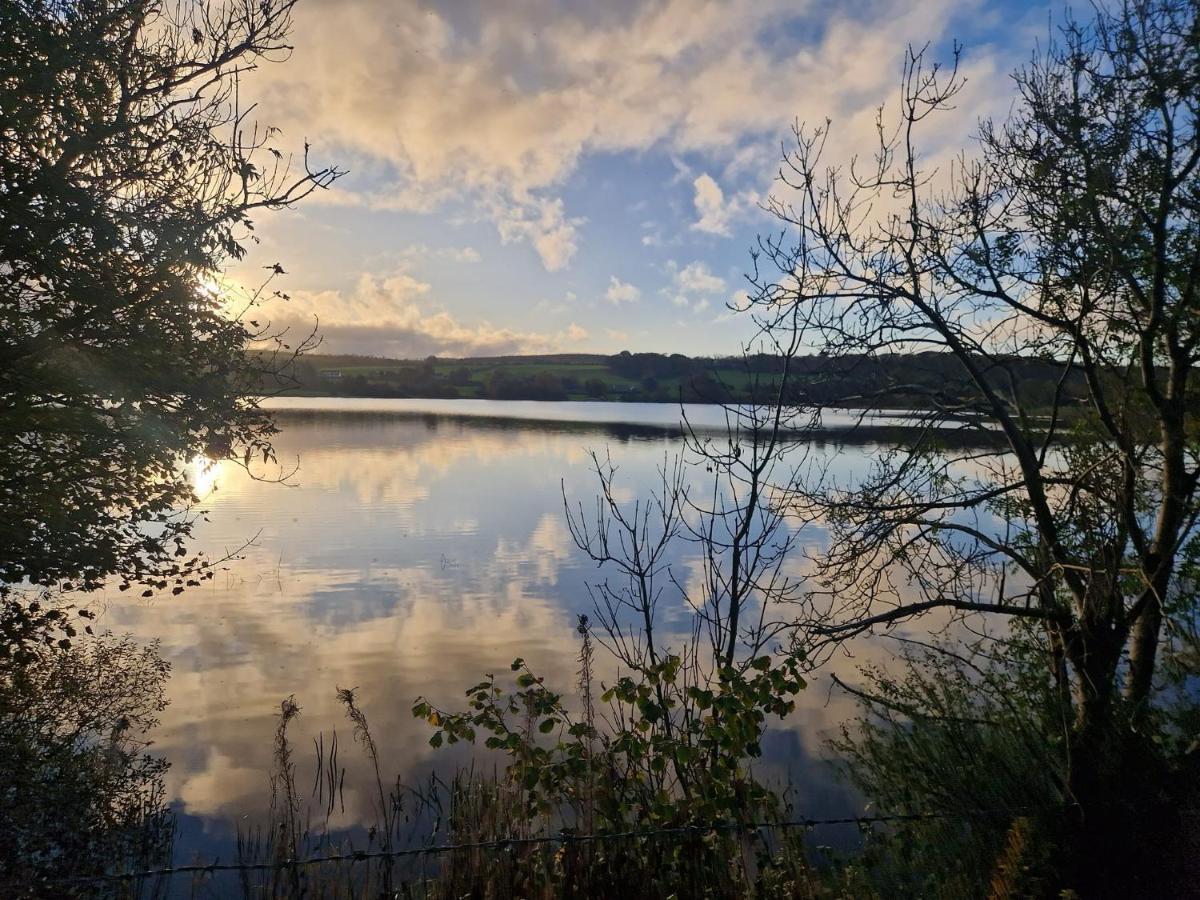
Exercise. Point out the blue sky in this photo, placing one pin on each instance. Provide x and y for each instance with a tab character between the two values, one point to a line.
532	176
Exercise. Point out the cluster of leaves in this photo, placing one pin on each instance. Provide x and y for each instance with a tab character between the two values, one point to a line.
969	739
672	750
974	743
27	624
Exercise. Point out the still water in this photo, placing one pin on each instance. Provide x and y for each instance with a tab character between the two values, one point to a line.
417	546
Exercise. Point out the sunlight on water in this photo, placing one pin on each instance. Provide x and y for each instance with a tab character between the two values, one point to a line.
203	472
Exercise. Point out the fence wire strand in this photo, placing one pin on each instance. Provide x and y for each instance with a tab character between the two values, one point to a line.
562	837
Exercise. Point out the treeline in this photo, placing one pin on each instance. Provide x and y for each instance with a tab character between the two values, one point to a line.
898	380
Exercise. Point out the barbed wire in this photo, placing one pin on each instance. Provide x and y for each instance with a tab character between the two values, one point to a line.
562	837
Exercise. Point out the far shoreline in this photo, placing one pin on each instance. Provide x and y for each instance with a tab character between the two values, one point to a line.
623	418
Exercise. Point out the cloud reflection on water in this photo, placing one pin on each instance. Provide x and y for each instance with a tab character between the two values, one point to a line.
413	555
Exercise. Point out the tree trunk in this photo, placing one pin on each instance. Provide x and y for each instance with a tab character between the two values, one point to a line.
1090	828
1143	652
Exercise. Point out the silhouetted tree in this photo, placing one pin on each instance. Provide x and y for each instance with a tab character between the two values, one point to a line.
129	174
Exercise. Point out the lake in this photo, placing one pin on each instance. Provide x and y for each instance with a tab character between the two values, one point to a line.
417	546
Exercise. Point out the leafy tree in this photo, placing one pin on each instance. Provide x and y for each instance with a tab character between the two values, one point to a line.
595	387
1073	239
129	174
973	734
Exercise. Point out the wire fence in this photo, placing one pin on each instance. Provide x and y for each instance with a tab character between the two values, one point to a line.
560	838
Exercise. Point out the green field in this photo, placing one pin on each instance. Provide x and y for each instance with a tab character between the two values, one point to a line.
895	381
643	377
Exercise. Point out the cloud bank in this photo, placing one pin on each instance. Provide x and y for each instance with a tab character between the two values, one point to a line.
392	316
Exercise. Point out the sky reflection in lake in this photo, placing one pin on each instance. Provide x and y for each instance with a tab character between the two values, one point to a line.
412	554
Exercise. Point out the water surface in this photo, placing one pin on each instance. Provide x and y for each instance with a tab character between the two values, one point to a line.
411	552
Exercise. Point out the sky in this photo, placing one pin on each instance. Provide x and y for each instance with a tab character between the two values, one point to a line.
532	176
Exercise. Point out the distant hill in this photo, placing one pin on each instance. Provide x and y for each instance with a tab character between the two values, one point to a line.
898	381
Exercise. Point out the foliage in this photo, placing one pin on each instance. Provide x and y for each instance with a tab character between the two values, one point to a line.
539	386
674	750
27	625
677	756
975	743
79	794
975	746
129	173
490	837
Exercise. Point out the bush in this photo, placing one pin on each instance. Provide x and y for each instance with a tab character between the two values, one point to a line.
78	793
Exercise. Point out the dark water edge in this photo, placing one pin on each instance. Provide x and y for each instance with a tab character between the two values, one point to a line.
672	425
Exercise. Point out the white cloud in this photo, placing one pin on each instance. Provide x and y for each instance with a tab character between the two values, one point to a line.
499	113
653	236
621	292
459	254
696	278
419	252
717	212
710	206
542	223
693	285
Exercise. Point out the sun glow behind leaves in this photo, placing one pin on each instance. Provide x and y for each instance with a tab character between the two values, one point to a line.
228	296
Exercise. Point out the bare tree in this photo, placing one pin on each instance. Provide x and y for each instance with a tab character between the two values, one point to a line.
735	536
1043	298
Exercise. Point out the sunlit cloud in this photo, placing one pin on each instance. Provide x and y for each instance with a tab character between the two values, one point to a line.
711	207
393	316
540	222
418	252
693	286
621	292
